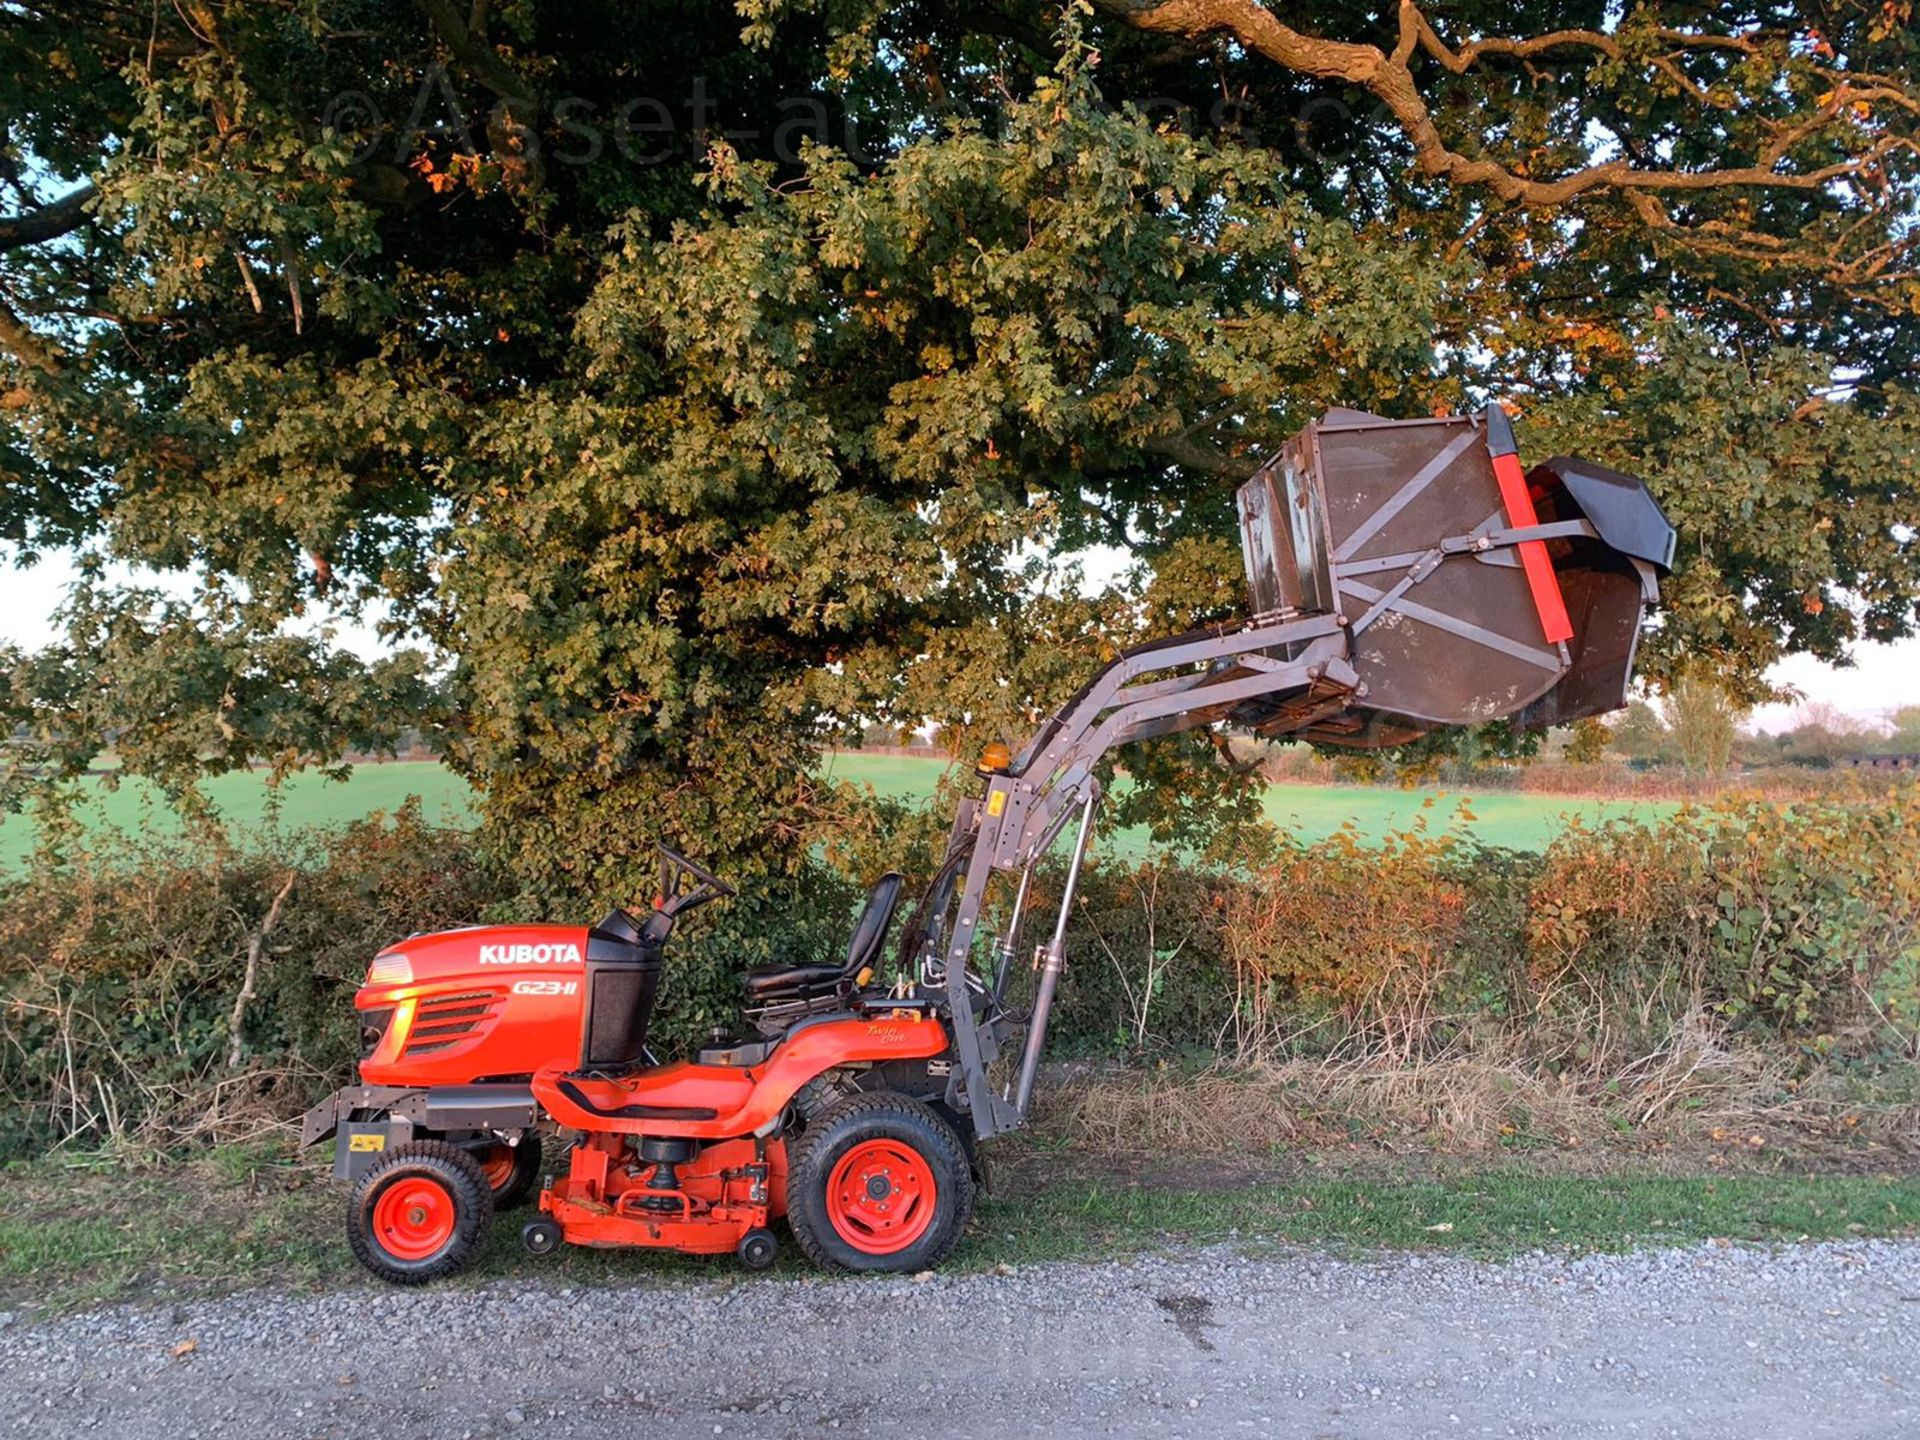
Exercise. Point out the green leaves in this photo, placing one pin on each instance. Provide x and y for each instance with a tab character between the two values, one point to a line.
675	464
1793	495
184	691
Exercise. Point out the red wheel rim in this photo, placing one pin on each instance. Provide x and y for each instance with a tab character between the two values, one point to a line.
881	1196
413	1218
496	1163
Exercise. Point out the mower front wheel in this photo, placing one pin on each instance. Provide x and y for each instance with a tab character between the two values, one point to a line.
879	1182
758	1249
419	1214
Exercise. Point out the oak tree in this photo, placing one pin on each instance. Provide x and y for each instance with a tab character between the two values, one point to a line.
678	386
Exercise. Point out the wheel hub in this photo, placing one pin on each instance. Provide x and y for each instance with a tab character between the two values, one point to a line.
414	1218
881	1196
497	1163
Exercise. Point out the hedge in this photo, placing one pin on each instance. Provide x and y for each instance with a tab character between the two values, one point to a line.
1793	926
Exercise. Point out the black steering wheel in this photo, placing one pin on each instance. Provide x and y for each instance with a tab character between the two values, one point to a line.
676	896
683	886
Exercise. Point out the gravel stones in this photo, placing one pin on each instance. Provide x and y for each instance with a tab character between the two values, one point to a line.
1703	1342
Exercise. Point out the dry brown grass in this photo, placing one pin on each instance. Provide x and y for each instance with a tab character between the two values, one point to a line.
1121	1112
1697	1095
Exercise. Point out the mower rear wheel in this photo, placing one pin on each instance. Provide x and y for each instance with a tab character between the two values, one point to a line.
512	1171
419	1214
879	1182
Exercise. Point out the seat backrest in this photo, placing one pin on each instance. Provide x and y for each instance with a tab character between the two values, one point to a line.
871	932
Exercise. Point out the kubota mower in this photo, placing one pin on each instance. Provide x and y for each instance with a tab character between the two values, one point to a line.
1403	575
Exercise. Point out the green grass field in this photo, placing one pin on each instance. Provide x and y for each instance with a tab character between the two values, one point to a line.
247	801
1312	812
1524	822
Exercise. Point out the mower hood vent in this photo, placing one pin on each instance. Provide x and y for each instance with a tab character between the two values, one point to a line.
447	1020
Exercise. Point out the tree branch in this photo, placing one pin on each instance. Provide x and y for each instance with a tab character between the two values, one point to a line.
256	946
1389	77
1204	458
512	120
475	54
1256	27
49	222
17	336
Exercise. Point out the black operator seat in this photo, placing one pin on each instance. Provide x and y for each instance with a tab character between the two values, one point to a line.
869	936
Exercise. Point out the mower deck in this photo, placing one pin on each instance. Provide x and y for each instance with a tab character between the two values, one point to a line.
724	1194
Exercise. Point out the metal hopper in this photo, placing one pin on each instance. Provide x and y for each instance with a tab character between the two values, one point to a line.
1469	591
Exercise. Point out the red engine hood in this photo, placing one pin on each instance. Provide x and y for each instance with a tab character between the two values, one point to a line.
484	953
487	1003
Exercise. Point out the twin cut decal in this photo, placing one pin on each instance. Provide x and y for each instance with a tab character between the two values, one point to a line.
529	954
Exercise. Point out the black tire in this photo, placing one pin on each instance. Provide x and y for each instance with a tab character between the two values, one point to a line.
879	1123
525	1164
963	1127
541	1236
403	1243
758	1249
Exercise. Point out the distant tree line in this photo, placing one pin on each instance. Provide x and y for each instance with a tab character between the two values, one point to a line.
1701	731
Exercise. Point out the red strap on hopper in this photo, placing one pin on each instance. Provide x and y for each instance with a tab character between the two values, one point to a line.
1545	585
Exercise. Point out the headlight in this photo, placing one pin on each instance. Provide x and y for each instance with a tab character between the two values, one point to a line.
373	1029
391	968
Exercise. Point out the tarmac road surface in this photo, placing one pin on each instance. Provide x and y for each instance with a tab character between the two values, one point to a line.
1714	1341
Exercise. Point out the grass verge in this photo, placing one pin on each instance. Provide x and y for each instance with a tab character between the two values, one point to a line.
1485	1214
80	1231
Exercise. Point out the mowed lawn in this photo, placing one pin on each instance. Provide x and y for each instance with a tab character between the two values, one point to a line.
1518	821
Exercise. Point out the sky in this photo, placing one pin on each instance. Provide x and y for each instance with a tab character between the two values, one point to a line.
1883	678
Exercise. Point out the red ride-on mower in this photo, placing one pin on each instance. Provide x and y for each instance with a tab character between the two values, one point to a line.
833	1118
1403	575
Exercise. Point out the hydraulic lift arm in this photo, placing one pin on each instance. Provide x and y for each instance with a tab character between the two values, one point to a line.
1202	677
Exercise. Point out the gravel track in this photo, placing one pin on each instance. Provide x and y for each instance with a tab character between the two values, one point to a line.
1705	1342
